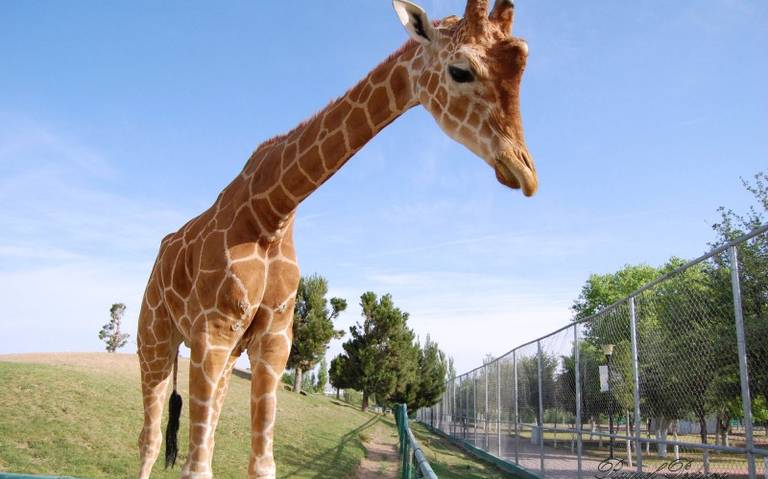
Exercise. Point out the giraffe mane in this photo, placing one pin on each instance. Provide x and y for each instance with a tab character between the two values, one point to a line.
282	136
410	43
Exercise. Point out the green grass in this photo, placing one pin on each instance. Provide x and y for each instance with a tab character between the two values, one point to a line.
80	415
84	422
448	461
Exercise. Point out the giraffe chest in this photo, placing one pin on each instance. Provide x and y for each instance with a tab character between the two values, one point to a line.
225	295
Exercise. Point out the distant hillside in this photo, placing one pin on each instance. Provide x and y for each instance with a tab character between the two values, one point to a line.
80	415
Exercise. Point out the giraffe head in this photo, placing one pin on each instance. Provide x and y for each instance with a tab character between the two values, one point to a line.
467	75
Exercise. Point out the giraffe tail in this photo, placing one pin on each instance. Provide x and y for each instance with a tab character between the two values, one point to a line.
174	414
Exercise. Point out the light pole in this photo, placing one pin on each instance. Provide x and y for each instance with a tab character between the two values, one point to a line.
608	351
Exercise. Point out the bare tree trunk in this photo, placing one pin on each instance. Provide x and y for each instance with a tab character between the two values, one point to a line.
674	434
717	429
337	393
662	426
364	406
703	428
297	381
648	433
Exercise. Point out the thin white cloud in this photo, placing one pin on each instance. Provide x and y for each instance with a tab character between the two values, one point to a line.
57	202
70	245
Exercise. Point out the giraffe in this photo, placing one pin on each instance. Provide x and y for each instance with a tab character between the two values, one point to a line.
225	282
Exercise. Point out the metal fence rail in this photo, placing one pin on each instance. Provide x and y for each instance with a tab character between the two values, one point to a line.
671	379
413	462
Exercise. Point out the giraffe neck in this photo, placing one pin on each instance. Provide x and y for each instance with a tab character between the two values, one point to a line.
284	171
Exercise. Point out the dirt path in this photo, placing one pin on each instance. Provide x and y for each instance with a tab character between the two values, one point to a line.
381	458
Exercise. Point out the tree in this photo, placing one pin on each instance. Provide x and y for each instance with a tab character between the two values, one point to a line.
433	368
338	375
110	332
753	265
602	290
427	385
450	372
590	358
312	325
528	385
322	375
379	358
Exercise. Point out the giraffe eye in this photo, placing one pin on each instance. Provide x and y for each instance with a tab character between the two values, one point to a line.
460	75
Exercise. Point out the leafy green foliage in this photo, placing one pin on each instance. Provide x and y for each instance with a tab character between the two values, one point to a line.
382	359
691	310
602	290
312	325
428	385
753	266
337	375
379	355
322	375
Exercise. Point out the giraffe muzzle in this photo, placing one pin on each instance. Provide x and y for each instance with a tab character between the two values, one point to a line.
515	170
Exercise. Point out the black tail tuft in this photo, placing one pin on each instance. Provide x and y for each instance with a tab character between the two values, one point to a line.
172	431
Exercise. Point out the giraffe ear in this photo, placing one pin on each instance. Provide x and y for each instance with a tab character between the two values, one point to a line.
415	20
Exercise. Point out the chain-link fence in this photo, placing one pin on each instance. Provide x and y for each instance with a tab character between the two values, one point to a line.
672	379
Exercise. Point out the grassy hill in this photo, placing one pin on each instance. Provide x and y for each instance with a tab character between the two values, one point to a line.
80	415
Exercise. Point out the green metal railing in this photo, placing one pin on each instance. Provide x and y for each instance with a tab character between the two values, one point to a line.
413	462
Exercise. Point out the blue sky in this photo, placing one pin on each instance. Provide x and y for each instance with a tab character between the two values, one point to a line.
118	122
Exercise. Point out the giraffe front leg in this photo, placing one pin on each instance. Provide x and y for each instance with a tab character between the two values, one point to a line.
219	395
268	354
208	364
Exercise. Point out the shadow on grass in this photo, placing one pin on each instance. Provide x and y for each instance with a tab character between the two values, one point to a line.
242	374
328	460
339	402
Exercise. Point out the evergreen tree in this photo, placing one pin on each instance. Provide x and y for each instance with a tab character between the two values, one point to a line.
428	385
432	371
110	332
338	375
312	325
379	357
451	371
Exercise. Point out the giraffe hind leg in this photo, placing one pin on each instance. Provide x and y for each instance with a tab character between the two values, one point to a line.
210	363
268	354
157	349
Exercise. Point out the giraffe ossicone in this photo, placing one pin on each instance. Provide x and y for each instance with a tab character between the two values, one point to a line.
226	281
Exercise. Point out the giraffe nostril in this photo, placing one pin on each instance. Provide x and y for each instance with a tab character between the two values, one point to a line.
526	157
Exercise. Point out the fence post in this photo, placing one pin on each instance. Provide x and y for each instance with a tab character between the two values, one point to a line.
466	409
576	374
517	431
399	416
746	401
498	406
453	407
541	411
636	380
485	411
474	408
